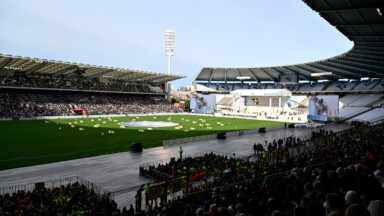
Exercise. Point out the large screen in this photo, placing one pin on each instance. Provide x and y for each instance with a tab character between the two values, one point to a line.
203	103
324	106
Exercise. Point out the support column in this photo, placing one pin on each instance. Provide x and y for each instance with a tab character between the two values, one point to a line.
279	105
270	106
169	83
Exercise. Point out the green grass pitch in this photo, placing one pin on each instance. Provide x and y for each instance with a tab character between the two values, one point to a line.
25	143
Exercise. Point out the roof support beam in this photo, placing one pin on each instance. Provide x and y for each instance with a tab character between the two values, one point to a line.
210	77
150	80
374	36
367	56
300	75
266	73
237	71
364	60
368	48
73	73
364	66
363	24
138	77
327	68
306	70
253	75
35	68
63	71
164	81
69	75
121	75
277	71
370	51
2	66
225	76
98	74
349	9
348	68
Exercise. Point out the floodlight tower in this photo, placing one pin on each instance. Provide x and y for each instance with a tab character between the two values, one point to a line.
169	51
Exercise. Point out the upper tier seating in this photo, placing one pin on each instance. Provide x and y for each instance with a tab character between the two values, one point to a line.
373	115
312	87
366	85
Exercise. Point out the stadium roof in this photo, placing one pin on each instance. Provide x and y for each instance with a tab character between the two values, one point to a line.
361	21
28	66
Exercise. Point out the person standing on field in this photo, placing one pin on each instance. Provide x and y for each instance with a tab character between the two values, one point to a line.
181	152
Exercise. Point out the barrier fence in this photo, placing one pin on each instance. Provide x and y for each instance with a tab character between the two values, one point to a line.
53	184
169	143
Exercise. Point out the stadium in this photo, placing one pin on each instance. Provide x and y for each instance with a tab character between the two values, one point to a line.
301	139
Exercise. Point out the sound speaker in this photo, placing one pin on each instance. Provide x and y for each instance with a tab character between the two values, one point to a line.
262	130
221	135
136	147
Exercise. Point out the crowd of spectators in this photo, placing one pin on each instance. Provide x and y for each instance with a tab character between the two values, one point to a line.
73	83
343	177
22	103
73	199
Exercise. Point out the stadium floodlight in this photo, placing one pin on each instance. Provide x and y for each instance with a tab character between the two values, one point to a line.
169	51
169	42
321	74
379	11
243	77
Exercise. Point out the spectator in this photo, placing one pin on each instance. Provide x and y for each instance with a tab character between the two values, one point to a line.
356	210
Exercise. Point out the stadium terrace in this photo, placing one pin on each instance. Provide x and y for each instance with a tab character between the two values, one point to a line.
304	139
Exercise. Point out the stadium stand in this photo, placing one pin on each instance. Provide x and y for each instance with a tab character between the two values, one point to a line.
225	87
333	178
312	87
29	103
72	199
366	85
360	21
372	115
257	86
156	89
350	98
17	65
237	86
292	87
212	86
379	86
340	86
366	99
348	112
360	99
273	86
298	98
225	101
77	84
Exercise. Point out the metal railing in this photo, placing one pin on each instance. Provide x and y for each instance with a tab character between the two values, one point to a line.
169	143
51	184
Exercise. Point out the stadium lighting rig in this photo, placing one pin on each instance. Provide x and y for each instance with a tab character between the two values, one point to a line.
379	11
321	74
169	51
243	78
